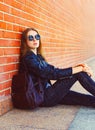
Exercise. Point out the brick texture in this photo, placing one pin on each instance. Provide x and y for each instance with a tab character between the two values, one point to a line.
67	30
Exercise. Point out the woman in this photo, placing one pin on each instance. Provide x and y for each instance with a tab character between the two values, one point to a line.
59	92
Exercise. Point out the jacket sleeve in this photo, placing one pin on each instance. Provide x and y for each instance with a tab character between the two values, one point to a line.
45	70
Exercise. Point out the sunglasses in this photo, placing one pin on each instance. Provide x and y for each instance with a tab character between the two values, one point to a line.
31	38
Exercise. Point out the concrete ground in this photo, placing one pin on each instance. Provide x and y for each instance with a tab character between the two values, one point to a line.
52	118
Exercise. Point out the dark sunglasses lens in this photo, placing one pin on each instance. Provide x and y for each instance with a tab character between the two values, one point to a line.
37	37
30	38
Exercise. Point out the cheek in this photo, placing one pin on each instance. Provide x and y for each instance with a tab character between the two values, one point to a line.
33	44
30	44
38	42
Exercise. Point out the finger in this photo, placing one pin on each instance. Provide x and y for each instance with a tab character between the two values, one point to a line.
83	65
90	73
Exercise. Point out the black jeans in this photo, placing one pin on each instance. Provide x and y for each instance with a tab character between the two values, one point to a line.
60	92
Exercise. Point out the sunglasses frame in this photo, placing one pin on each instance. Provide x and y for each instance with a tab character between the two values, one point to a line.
31	38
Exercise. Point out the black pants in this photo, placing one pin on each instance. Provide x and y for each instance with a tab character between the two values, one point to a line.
60	92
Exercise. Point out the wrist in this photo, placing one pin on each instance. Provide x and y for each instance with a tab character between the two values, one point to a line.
81	68
77	69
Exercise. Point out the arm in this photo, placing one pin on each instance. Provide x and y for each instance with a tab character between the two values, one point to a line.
45	70
77	69
82	67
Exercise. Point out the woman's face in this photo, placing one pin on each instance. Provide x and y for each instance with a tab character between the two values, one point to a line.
33	39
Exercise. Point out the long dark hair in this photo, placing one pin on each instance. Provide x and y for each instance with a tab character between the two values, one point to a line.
24	47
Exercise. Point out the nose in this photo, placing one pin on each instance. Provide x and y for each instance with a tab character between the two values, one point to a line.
34	39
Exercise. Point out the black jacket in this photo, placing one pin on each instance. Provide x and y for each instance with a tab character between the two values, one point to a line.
38	67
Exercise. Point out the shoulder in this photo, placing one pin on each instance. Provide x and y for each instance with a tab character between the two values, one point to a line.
29	56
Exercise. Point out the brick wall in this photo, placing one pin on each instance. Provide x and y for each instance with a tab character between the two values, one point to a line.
63	24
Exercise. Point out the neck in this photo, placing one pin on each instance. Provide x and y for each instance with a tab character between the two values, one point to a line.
34	51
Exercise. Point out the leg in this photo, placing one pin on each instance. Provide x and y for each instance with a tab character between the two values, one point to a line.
55	93
86	82
75	98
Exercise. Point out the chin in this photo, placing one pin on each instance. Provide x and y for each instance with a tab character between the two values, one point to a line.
36	47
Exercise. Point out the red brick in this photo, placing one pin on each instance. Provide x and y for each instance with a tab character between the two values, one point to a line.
8	59
1	94
9	35
22	1
1	16
8	2
6	84
9	26
1	86
9	67
1	51
1	33
9	43
9	18
17	5
4	77
2	60
4	8
11	51
2	25
16	12
16	28
7	92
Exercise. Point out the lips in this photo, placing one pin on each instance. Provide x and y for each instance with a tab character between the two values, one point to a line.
34	44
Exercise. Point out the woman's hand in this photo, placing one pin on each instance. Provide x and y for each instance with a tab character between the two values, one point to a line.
87	69
82	67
